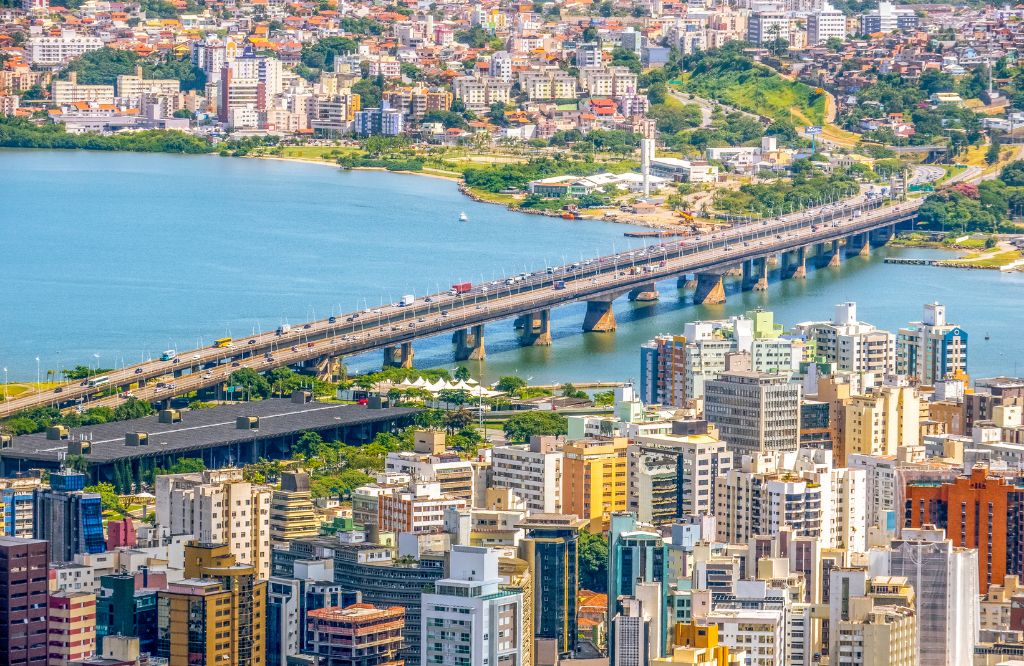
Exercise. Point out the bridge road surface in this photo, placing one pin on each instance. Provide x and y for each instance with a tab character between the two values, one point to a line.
374	329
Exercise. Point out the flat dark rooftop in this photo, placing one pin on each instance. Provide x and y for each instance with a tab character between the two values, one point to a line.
204	428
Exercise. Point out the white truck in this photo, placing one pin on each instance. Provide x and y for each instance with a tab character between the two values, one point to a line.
407	300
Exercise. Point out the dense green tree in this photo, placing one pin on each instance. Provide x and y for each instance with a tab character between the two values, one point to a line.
1013	174
309	444
476	37
252	383
370	92
933	81
992	154
570	391
462	373
21	133
510	384
132	408
593	561
625	58
321	54
520	427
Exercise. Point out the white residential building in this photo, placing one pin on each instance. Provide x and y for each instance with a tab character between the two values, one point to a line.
851	345
469	618
759	633
531	471
218	506
479	93
825	24
48	51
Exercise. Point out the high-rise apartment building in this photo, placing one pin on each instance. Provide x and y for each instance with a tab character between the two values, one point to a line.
636	555
216	615
68	517
754	412
123	610
551	551
671	476
931	350
291	509
674	369
888	18
469	618
219	506
16	506
945	582
71	627
851	345
24	581
357	635
981	512
533	472
880	421
825	24
594	479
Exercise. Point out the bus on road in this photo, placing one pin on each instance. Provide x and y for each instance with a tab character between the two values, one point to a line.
98	381
222	342
168	355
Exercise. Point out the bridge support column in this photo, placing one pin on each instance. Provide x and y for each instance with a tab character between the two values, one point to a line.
836	258
710	289
469	344
859	244
880	237
600	317
535	329
398	356
686	282
755	275
328	367
645	293
794	264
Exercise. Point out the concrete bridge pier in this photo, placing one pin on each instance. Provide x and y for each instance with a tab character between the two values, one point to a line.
859	245
398	356
882	236
710	289
686	282
535	329
469	344
794	264
755	275
645	293
831	254
328	367
600	317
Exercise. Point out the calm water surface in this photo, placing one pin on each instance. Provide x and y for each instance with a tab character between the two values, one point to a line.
124	255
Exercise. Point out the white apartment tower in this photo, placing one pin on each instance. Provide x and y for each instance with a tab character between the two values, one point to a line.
533	472
218	506
470	619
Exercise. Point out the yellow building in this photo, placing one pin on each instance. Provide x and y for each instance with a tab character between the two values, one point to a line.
291	509
594	480
697	645
217	614
881	421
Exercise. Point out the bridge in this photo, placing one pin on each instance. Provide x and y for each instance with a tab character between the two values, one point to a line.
823	235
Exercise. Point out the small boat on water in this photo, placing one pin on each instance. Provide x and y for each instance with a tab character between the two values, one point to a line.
463	217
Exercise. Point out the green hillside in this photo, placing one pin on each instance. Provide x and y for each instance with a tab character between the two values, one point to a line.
732	78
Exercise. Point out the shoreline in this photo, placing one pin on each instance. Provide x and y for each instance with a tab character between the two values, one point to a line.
466	191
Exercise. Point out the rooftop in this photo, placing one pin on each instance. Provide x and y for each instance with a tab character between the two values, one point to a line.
203	428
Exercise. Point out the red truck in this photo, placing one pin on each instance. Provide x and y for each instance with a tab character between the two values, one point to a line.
461	288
